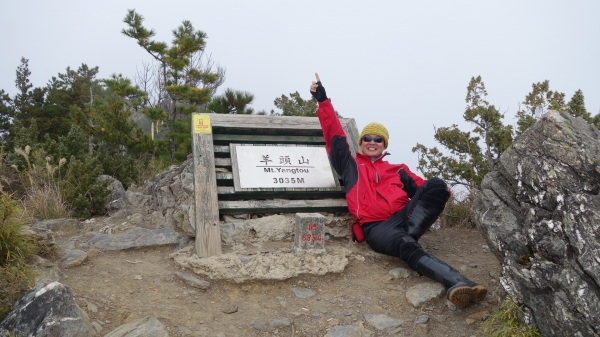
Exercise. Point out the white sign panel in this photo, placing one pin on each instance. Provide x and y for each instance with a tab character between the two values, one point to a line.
283	166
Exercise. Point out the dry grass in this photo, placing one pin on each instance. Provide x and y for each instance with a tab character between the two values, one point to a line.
504	322
459	211
45	202
43	199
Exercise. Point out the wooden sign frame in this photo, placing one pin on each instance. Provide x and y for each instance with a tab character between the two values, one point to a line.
213	170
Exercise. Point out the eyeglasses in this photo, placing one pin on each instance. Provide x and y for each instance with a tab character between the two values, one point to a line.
368	139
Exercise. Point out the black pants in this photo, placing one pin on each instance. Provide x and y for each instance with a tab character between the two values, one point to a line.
389	237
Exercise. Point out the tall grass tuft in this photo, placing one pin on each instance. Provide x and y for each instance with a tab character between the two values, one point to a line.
504	322
43	199
16	275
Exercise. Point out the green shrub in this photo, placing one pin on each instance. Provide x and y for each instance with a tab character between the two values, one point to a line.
504	322
16	276
148	167
82	189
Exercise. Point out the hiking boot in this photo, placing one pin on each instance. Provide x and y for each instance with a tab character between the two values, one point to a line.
466	292
459	290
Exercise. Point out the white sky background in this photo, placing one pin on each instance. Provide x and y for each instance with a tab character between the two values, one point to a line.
403	64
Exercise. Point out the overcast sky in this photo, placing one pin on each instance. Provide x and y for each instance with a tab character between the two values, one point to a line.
403	64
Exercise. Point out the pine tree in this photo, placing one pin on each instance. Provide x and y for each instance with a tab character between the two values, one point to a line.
6	113
576	106
185	87
29	103
471	156
232	102
538	102
295	106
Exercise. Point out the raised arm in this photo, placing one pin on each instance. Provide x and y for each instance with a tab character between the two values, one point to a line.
335	137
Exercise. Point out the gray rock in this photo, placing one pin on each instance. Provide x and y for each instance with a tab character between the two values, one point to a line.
400	273
271	228
61	226
45	270
424	292
171	193
138	199
43	237
192	281
143	327
73	258
538	211
47	310
183	242
117	198
137	220
381	322
348	331
422	319
97	327
257	326
91	306
303	292
232	232
280	322
137	238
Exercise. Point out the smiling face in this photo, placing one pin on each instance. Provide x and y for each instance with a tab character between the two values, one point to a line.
372	149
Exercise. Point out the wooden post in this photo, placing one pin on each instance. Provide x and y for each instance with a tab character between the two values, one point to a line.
206	207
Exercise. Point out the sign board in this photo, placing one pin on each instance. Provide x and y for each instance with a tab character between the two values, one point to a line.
201	124
282	166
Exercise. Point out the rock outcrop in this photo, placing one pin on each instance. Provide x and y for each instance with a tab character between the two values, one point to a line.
169	197
46	311
117	198
540	213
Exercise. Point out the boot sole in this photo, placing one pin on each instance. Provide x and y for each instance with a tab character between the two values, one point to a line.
462	296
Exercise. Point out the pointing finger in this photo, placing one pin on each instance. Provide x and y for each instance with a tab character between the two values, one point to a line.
317	76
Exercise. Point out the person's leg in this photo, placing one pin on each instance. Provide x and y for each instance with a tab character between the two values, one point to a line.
460	291
426	206
390	238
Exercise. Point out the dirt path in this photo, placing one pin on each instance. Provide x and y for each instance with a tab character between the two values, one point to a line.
116	287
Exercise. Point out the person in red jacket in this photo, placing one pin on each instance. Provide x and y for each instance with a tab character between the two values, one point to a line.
391	205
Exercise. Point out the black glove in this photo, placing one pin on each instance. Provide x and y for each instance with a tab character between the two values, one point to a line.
319	94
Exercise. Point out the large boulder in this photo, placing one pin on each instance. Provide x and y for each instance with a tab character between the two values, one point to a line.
117	198
539	211
47	311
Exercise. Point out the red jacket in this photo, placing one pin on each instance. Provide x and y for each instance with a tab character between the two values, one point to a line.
374	190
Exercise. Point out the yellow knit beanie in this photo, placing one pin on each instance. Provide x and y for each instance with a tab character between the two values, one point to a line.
375	129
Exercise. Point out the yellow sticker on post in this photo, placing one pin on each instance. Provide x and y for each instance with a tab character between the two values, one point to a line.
201	124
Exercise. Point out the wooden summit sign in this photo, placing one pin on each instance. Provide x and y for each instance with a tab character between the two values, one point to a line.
260	164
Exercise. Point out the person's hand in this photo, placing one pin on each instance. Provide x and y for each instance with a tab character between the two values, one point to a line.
317	90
